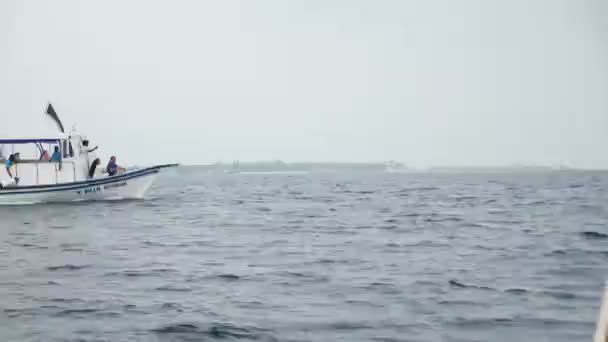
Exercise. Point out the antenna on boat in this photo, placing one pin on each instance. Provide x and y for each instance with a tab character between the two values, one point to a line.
51	112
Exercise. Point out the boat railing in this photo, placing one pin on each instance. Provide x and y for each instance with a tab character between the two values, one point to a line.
73	169
57	167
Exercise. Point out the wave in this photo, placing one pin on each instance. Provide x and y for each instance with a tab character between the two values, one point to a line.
459	302
389	227
172	306
520	322
360	192
227	277
141	273
463	198
481	322
58	226
455	283
349	326
443	219
559	294
594	235
162	244
560	252
14	313
476	225
173	289
516	291
385	288
214	331
409	214
64	300
68	267
72	312
421	188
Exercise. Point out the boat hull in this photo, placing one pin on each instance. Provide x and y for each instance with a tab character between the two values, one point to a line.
129	185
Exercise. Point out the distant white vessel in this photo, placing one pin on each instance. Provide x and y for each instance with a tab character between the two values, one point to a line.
285	172
28	176
394	167
235	167
263	168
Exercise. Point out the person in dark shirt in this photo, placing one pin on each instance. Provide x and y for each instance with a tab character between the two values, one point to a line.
113	168
93	167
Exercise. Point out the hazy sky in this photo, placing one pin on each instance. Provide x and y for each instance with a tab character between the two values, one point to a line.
426	82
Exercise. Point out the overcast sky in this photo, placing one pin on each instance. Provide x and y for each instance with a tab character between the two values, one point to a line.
426	82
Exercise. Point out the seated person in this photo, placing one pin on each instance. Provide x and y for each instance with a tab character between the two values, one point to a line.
45	156
12	159
113	168
56	157
93	167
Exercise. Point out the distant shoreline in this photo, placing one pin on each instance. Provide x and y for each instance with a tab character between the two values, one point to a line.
374	166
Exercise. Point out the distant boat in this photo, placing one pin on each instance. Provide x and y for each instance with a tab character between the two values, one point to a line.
264	167
280	172
395	167
235	167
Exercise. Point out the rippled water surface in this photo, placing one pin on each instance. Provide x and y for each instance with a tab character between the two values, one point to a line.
312	257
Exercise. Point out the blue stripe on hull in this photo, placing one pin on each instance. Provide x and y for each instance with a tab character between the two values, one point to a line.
36	189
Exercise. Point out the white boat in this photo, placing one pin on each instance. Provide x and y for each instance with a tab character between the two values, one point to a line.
235	167
35	180
601	329
395	167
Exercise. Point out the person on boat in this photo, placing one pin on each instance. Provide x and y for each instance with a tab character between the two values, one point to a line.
12	159
113	168
85	147
94	165
44	156
56	157
8	163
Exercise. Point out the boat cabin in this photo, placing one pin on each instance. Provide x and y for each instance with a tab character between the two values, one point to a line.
34	168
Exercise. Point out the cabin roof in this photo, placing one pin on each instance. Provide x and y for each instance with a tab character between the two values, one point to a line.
29	141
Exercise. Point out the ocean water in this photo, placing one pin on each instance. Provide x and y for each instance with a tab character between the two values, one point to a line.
313	257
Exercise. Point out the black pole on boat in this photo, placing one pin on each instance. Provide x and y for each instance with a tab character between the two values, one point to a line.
51	112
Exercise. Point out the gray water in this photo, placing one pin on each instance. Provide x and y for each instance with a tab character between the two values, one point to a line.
315	257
